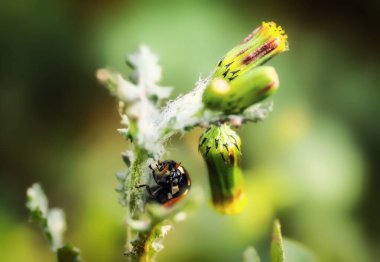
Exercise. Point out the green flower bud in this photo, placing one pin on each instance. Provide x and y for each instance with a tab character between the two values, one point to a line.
220	148
235	96
261	45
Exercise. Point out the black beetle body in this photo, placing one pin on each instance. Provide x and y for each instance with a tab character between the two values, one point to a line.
173	183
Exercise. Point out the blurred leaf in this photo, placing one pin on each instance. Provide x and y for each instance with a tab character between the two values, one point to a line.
250	255
36	200
37	204
56	223
277	246
52	223
296	252
68	253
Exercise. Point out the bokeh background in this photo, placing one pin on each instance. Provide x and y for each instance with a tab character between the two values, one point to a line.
314	162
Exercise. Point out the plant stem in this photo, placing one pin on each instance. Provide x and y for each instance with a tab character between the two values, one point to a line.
135	240
136	173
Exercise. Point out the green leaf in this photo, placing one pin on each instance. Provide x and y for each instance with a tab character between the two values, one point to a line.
68	253
250	255
277	246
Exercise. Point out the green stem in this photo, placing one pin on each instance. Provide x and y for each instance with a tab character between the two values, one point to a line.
135	240
136	173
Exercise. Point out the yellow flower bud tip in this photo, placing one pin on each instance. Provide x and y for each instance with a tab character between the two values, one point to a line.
266	31
274	40
257	48
233	206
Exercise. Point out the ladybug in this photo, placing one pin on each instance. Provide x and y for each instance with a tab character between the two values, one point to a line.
173	183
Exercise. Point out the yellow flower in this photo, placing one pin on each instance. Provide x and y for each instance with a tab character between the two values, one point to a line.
258	47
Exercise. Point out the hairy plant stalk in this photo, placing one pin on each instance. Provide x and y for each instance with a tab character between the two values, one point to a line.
136	174
135	209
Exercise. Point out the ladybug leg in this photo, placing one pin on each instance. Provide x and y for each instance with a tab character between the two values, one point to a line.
163	171
147	189
155	177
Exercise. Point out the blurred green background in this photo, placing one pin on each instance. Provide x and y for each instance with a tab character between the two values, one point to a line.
313	163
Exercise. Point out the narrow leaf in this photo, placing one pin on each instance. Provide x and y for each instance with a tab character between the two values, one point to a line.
277	246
